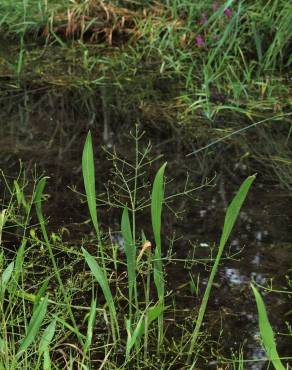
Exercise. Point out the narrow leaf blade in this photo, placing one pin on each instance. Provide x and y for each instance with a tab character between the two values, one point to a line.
266	331
130	250
89	180
34	325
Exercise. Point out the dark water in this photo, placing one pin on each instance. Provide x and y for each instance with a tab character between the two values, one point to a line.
48	132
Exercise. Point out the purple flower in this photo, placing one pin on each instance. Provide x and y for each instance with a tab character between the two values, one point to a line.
228	12
200	41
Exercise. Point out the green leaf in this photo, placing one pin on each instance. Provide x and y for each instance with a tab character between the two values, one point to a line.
2	346
153	313
34	325
40	294
89	180
130	250
90	325
132	337
157	198
233	210
47	337
230	218
258	41
38	205
101	278
2	223
19	260
47	360
20	196
6	276
266	331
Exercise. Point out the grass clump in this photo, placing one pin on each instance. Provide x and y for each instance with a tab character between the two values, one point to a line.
111	306
221	56
211	71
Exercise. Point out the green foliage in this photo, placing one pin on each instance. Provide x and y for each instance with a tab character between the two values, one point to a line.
153	313
89	180
238	51
38	205
5	277
2	223
47	337
130	250
156	205
230	218
138	339
102	280
34	325
157	199
266	331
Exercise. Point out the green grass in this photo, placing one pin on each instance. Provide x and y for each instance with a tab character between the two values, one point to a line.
152	65
230	218
242	67
106	309
114	310
267	333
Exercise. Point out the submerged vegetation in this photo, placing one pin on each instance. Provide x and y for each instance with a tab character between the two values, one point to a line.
208	79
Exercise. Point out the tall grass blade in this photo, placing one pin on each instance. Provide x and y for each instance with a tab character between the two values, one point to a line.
133	337
45	341
40	294
38	205
2	223
19	261
90	325
258	42
6	276
234	209
17	270
156	210
34	326
156	205
21	201
157	199
47	360
266	331
89	180
47	337
2	349
230	218
130	250
101	278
